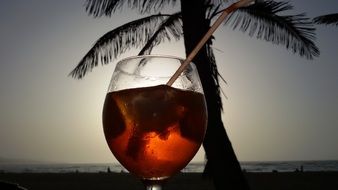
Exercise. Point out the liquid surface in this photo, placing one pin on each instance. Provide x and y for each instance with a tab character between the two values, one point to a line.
154	131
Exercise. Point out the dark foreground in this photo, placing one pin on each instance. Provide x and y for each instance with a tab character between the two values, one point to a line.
121	181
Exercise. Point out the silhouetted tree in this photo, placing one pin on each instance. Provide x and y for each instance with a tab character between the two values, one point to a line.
261	19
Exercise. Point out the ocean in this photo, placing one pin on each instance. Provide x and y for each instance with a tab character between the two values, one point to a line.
270	166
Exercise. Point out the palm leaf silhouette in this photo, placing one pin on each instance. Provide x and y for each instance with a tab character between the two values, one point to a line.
295	32
170	28
99	8
329	19
117	41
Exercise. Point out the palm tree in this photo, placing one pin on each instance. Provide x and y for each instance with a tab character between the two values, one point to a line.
262	20
329	19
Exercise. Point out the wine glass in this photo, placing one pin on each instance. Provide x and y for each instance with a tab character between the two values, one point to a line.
152	129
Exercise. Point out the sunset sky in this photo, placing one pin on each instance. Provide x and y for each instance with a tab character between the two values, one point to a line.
280	106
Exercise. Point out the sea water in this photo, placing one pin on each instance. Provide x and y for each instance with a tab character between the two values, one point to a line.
252	166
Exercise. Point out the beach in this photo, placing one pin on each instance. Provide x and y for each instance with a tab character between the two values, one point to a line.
124	181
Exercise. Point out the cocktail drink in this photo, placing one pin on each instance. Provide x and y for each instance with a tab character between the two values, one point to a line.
154	130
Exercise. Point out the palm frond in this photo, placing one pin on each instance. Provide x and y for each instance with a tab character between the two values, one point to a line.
218	1
170	28
330	19
98	8
215	74
109	46
295	32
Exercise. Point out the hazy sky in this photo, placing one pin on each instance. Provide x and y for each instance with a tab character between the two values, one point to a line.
280	106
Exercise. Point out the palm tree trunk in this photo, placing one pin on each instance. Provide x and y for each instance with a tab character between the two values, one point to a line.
222	164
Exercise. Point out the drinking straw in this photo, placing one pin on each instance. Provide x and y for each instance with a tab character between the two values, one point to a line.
225	13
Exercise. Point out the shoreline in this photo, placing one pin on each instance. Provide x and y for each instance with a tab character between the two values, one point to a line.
103	180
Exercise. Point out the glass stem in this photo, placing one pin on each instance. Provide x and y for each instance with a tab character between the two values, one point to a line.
154	187
153	184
